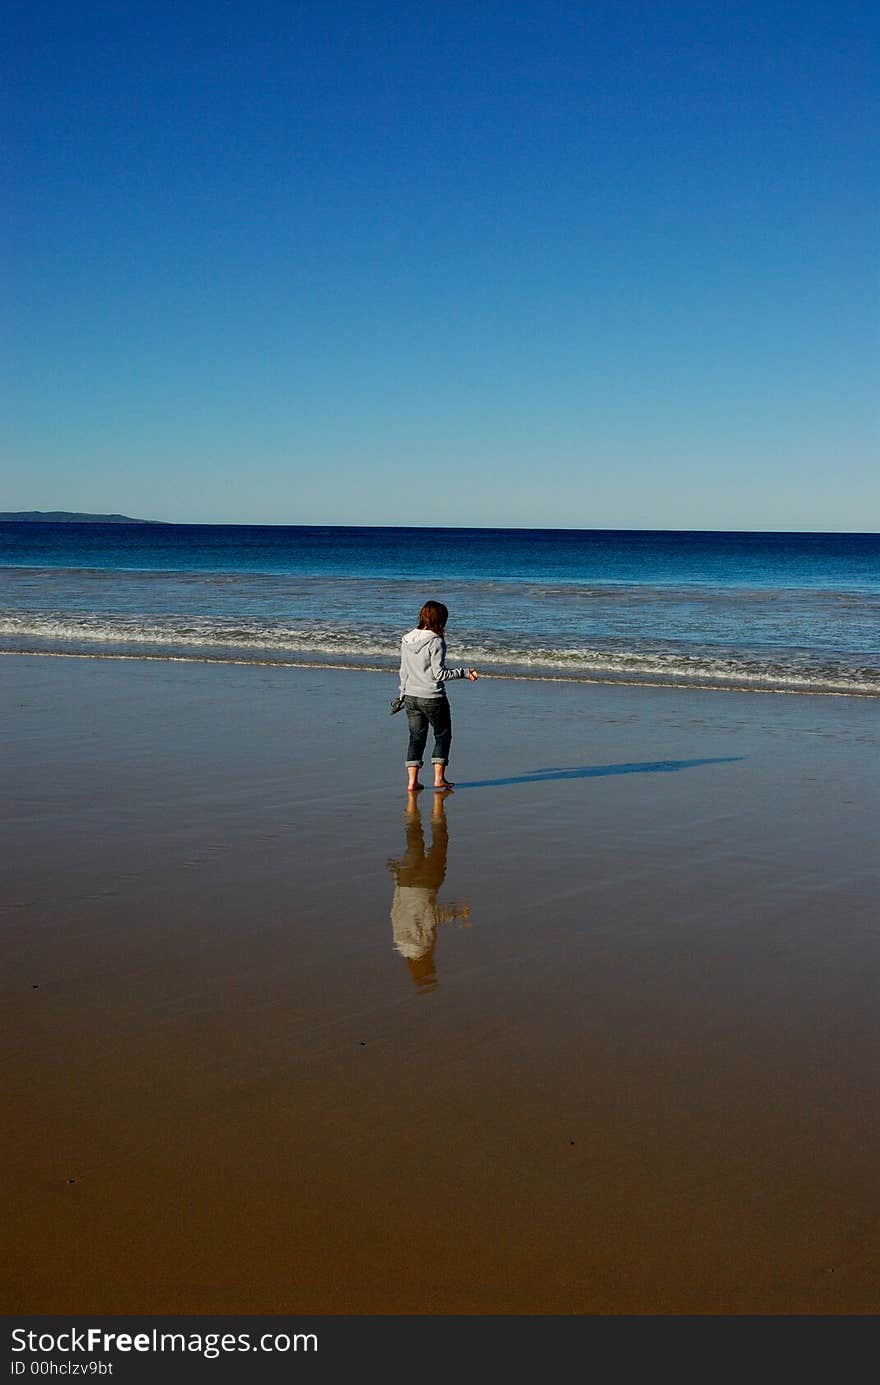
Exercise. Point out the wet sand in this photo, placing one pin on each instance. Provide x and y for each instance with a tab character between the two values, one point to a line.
634	1071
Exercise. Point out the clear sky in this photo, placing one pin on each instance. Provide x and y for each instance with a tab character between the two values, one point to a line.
472	262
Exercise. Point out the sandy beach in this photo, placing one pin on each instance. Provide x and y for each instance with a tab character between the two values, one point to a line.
635	1071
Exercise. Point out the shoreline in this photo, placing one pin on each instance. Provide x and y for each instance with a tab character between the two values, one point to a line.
392	670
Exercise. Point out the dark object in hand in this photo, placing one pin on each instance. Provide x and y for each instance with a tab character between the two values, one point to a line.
396	705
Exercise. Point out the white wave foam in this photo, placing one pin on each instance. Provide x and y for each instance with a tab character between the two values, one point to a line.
332	646
356	667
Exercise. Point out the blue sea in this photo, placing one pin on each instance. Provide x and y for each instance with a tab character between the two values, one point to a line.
760	611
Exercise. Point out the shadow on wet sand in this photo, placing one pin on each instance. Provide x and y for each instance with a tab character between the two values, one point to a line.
597	771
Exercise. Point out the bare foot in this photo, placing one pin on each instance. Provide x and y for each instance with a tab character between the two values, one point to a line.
412	788
444	784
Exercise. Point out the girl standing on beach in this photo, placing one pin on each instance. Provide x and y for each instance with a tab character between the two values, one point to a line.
423	675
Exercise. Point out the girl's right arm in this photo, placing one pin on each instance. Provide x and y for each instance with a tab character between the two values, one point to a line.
439	667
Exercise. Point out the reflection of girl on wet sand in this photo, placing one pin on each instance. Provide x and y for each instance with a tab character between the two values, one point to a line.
418	875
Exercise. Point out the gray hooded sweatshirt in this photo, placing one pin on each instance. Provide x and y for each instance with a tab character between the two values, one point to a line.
423	668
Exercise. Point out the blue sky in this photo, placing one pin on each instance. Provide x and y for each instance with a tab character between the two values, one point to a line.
580	265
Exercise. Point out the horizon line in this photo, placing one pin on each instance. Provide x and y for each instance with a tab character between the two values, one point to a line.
119	521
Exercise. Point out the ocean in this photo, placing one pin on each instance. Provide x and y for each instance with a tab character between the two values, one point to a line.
756	611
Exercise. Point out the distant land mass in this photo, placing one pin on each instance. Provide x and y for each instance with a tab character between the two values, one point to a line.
69	517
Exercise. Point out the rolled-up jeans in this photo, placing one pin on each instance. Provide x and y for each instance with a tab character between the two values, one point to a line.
422	712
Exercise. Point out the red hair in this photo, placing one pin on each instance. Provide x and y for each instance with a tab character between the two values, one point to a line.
433	616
